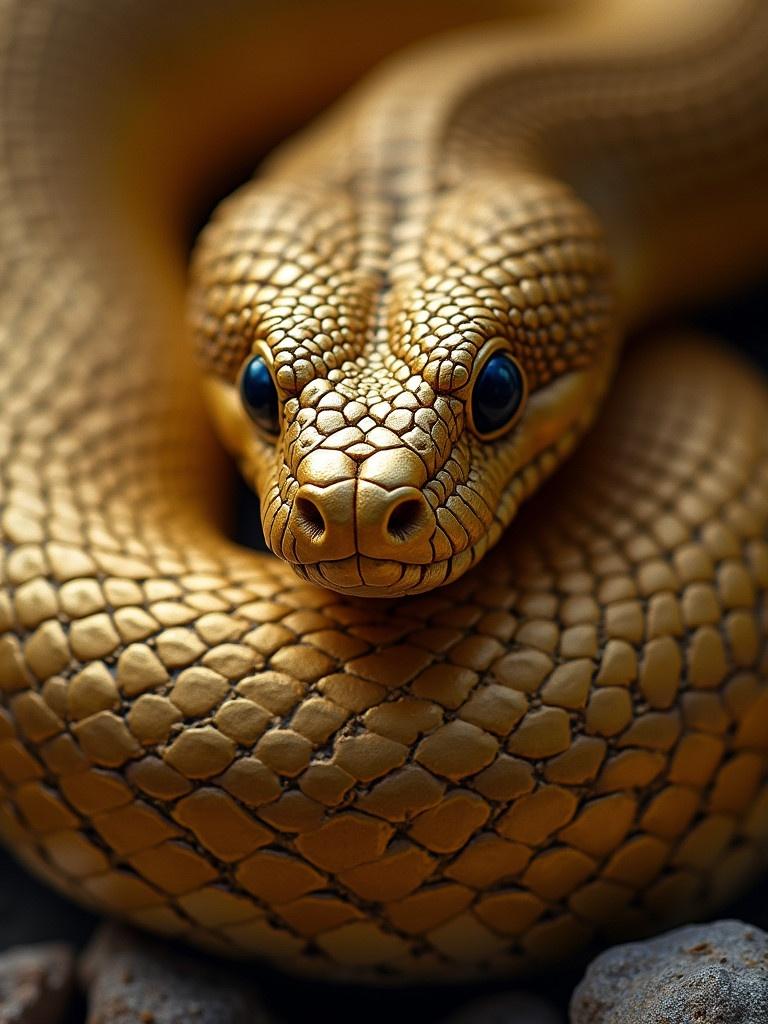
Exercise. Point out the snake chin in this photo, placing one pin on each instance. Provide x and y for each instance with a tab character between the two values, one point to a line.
372	578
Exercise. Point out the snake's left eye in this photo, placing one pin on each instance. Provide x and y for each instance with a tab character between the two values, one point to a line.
259	395
498	395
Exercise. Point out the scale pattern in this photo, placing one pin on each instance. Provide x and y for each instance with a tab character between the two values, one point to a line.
570	739
569	742
286	265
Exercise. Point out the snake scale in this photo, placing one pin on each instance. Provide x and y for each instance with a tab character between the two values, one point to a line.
381	753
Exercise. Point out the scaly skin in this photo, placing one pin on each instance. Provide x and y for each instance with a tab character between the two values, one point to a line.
567	741
378	260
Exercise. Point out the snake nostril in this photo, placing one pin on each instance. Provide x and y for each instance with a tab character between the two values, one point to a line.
405	519
310	518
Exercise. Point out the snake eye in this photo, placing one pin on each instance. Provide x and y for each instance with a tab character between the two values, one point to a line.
497	396
259	395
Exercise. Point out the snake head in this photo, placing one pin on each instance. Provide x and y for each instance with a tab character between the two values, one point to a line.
394	400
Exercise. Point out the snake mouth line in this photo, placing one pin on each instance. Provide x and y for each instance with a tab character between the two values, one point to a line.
365	577
380	578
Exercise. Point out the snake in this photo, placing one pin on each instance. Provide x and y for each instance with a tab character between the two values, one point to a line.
460	718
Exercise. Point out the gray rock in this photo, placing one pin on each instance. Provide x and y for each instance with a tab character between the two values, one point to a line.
134	979
702	974
36	983
507	1008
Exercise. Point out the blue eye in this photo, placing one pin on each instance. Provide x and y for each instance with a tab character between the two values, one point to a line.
259	395
498	394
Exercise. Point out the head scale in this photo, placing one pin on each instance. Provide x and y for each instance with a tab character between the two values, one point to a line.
393	410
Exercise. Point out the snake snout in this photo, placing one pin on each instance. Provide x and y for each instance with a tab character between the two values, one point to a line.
321	522
378	514
393	524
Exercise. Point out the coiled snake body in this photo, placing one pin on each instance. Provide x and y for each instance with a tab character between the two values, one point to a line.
489	763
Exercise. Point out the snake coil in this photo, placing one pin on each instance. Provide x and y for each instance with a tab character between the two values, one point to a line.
405	323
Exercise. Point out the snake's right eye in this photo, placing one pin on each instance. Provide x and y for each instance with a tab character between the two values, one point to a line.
259	395
498	395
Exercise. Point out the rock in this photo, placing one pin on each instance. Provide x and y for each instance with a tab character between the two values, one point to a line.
706	973
36	983
506	1008
133	979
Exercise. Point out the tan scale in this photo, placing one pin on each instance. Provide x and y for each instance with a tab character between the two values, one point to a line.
501	759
